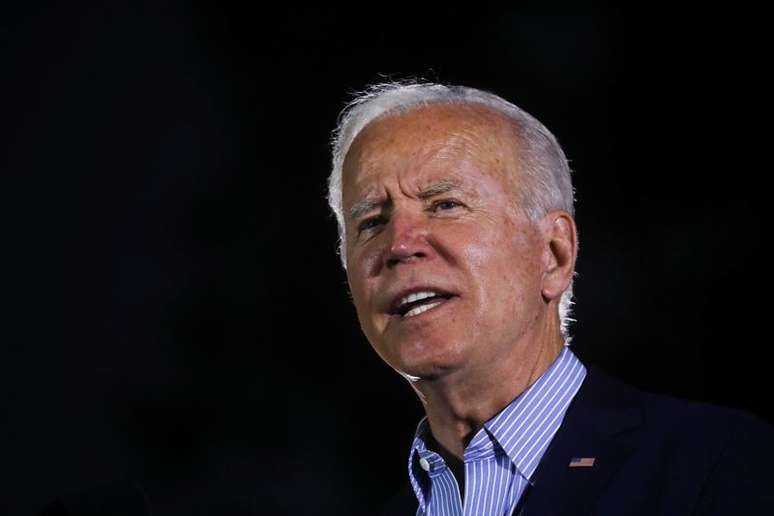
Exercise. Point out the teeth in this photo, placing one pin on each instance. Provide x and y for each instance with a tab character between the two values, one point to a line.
416	296
420	309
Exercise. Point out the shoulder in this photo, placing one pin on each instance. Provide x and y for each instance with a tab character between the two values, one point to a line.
723	455
735	447
671	419
674	416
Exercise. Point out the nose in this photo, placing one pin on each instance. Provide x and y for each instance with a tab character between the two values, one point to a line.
408	239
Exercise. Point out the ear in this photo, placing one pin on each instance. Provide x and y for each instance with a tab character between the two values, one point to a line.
560	238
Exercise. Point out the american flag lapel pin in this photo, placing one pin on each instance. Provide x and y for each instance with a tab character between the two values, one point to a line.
582	462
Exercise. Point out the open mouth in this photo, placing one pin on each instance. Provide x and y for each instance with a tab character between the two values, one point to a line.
419	302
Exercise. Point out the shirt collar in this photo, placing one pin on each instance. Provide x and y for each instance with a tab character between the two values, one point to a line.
522	430
525	427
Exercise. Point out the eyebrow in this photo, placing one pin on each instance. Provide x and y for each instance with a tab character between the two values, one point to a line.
366	205
363	207
439	188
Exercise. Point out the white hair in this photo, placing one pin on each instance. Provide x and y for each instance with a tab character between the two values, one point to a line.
545	182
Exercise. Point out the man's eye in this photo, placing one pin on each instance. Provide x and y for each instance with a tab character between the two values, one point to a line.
370	224
447	204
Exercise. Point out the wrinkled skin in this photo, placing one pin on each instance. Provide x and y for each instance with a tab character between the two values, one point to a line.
436	191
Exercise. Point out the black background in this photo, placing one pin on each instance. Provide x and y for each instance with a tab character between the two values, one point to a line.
175	312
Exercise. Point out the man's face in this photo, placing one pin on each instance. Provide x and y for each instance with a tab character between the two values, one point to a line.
444	270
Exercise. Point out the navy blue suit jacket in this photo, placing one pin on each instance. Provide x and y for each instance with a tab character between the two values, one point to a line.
654	455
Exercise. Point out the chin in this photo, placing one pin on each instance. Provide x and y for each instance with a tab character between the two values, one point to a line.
424	356
426	366
427	374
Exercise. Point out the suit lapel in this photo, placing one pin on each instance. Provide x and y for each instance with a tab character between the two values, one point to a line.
596	425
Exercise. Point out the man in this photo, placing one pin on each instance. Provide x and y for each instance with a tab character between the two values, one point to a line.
455	212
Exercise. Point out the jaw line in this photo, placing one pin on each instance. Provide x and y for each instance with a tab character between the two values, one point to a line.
413	380
410	378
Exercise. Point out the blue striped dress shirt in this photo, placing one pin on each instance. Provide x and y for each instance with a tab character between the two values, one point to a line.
502	457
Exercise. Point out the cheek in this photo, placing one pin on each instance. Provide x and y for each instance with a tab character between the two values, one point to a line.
361	292
365	258
356	290
492	253
505	264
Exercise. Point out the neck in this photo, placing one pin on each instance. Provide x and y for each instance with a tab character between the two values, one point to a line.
457	406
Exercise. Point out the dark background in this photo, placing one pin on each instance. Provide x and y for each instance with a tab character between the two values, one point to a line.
175	312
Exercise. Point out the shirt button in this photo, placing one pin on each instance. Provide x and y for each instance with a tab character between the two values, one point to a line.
424	464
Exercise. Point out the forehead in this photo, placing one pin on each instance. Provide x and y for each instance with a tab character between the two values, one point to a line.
429	143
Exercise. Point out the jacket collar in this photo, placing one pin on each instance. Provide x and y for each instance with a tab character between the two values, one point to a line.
602	414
